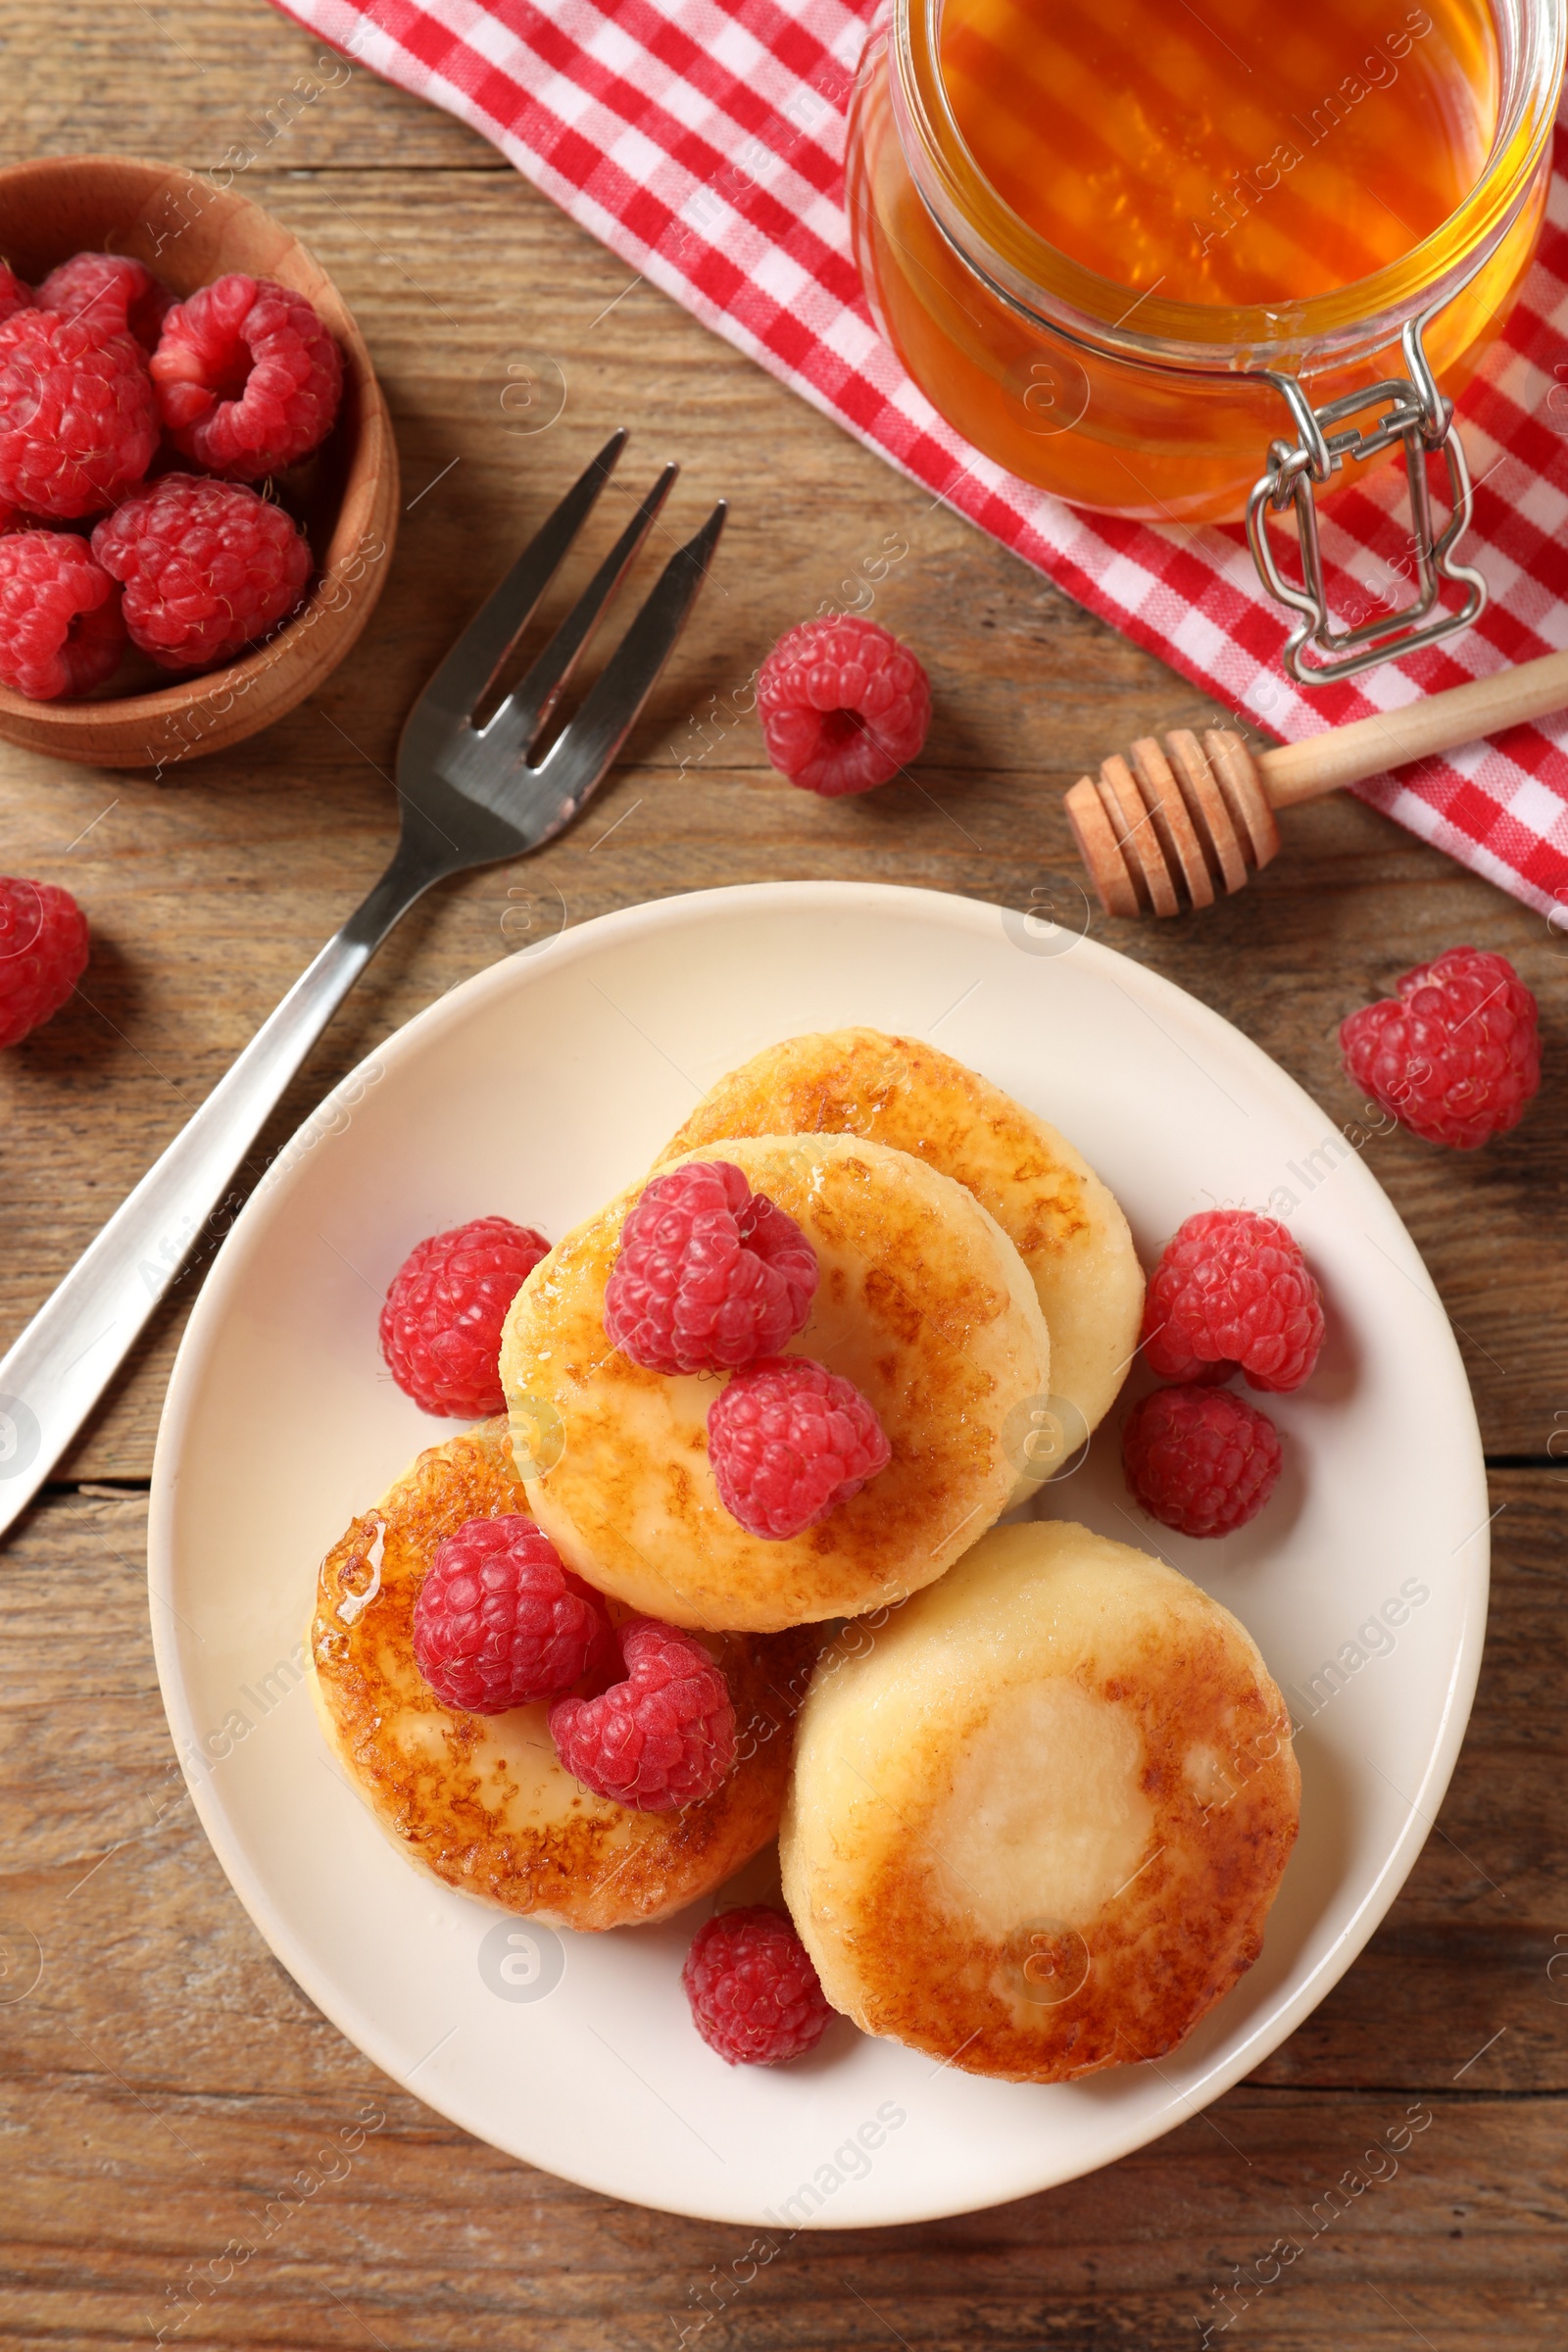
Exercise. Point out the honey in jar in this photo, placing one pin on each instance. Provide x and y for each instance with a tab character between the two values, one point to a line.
1244	155
1092	229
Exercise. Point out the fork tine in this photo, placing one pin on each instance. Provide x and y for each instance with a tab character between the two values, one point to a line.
514	724
576	762
501	619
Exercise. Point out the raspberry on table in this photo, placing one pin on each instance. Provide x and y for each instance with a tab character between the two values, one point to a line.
43	953
207	567
441	1324
1455	1057
662	1738
844	705
79	424
62	630
501	1622
1232	1291
1200	1461
247	377
756	1996
113	293
15	293
709	1274
789	1440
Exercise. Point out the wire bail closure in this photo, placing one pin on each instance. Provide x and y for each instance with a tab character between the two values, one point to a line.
1418	413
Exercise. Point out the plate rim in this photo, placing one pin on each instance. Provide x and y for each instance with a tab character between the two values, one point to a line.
512	972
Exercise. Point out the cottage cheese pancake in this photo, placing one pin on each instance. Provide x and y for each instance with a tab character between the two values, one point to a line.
1065	1224
482	1802
922	1302
1039	1816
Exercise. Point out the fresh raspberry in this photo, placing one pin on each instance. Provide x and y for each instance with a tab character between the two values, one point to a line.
441	1324
1456	1054
500	1620
79	424
43	951
665	1737
1200	1461
248	379
789	1441
111	292
206	566
709	1274
755	1997
844	705
15	293
1233	1290
61	627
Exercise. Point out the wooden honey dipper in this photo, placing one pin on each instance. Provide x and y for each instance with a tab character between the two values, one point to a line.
1174	824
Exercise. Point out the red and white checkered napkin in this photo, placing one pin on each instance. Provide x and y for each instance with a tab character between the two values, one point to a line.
703	141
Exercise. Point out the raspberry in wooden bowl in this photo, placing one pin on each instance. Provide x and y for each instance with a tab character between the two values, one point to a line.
341	493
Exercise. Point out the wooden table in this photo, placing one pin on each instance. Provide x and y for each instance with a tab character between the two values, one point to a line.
165	2079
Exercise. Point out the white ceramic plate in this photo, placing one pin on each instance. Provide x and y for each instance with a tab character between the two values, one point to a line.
537	1089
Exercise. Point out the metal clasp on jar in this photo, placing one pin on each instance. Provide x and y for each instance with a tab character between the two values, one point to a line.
1418	415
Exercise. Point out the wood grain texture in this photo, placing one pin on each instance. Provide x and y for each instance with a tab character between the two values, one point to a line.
165	2080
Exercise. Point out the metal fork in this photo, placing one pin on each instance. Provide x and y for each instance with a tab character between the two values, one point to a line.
469	798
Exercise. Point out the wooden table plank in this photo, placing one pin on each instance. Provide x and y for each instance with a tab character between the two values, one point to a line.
206	82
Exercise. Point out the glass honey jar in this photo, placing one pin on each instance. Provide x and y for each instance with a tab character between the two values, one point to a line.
1201	264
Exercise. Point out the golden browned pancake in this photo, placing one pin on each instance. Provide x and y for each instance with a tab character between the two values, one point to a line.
1037	1818
1064	1222
482	1801
922	1302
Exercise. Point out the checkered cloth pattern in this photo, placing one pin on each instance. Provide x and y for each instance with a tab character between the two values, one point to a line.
703	141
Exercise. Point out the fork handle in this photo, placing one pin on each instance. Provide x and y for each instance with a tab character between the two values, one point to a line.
69	1354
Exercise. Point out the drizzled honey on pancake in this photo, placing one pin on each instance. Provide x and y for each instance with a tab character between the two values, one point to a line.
482	1802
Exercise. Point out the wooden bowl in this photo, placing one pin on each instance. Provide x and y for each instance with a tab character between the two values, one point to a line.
345	496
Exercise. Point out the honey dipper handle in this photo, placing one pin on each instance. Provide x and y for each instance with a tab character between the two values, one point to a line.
1303	771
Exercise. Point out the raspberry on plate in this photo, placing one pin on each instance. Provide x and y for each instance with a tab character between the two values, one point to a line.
662	1738
756	1996
61	627
789	1440
1232	1289
1456	1054
15	293
709	1274
1200	1461
441	1324
844	705
207	567
43	951
248	379
113	293
78	425
500	1622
